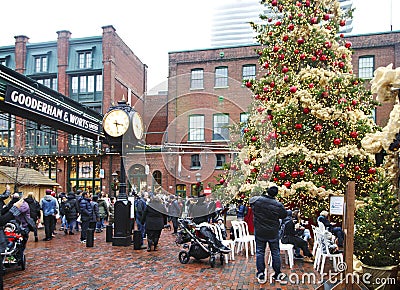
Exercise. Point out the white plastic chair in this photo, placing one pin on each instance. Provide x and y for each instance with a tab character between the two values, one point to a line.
320	258
289	257
227	243
243	238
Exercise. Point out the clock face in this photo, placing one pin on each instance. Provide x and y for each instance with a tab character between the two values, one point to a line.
116	123
137	124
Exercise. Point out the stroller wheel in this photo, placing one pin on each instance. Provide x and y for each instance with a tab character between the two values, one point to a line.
23	263
184	257
212	261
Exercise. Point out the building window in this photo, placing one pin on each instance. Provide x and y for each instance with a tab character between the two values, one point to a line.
221	77
7	123
49	82
366	67
181	190
220	127
196	128
243	121
3	61
40	139
85	59
41	63
87	88
220	160
197	79
249	72
195	161
157	177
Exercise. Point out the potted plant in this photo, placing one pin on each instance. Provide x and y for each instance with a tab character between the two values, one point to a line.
377	234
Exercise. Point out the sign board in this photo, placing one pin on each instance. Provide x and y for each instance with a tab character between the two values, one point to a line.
48	109
207	191
336	204
101	173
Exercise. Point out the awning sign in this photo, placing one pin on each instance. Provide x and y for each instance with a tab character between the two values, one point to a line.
49	109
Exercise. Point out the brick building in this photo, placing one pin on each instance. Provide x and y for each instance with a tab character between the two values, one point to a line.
95	71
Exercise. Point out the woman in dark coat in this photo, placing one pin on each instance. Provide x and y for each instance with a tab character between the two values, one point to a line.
153	217
71	209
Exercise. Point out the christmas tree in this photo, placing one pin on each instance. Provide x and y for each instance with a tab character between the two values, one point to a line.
309	110
377	236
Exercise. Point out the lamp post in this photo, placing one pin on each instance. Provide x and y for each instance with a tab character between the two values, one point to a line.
122	125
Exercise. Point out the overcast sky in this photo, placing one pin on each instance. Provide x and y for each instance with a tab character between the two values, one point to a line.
152	28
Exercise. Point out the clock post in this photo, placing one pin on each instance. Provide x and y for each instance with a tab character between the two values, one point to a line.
116	123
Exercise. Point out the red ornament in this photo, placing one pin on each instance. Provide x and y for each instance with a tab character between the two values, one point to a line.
246	130
326	17
354	102
272	84
275	179
318	127
240	146
285	69
254	139
287	184
321	170
298	126
353	134
336	123
310	166
290	27
265	176
233	167
341	165
277	168
246	161
285	38
337	141
276	48
310	85
356	168
300	41
293	89
347	44
342	22
314	20
302	56
306	110
242	196
248	84
295	174
334	181
221	181
342	100
282	174
372	170
301	172
274	3
270	117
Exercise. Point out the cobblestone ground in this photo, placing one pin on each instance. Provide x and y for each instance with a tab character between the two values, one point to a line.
65	263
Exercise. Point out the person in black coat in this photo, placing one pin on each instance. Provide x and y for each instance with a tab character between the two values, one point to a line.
5	218
34	208
267	213
290	237
153	217
71	210
86	211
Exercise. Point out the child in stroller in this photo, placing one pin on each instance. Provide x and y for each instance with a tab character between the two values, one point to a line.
203	242
15	245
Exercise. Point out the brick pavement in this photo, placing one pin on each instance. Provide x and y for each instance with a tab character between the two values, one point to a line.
65	263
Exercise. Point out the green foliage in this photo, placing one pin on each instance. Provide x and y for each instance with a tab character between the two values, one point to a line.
377	236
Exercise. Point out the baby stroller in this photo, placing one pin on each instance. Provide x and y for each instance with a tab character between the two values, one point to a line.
197	245
12	255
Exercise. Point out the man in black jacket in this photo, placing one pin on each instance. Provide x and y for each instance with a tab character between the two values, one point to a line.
267	215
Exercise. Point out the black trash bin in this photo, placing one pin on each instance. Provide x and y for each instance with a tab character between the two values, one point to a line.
90	238
137	240
109	233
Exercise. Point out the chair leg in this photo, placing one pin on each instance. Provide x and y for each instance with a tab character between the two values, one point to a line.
291	258
322	265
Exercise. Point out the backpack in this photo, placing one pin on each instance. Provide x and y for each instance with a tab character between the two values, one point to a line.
67	207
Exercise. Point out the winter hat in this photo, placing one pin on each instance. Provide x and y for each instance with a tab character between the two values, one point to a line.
272	191
48	191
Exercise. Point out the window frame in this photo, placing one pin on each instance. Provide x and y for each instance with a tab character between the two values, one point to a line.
222	161
41	63
195	161
85	59
221	77
197	129
366	65
222	128
248	76
197	79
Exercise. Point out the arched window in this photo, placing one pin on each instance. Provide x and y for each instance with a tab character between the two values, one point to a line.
157	177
